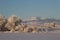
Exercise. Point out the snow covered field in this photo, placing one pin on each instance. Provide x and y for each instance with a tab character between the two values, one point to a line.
29	36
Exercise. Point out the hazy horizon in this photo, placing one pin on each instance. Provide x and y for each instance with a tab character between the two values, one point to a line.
29	8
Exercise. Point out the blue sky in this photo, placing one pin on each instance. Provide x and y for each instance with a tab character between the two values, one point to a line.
29	8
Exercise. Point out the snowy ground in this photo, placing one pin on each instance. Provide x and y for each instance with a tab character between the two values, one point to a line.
51	35
30	36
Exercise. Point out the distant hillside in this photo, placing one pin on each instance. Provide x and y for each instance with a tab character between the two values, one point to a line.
42	20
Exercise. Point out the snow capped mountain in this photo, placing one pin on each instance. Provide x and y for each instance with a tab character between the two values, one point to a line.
42	20
36	18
